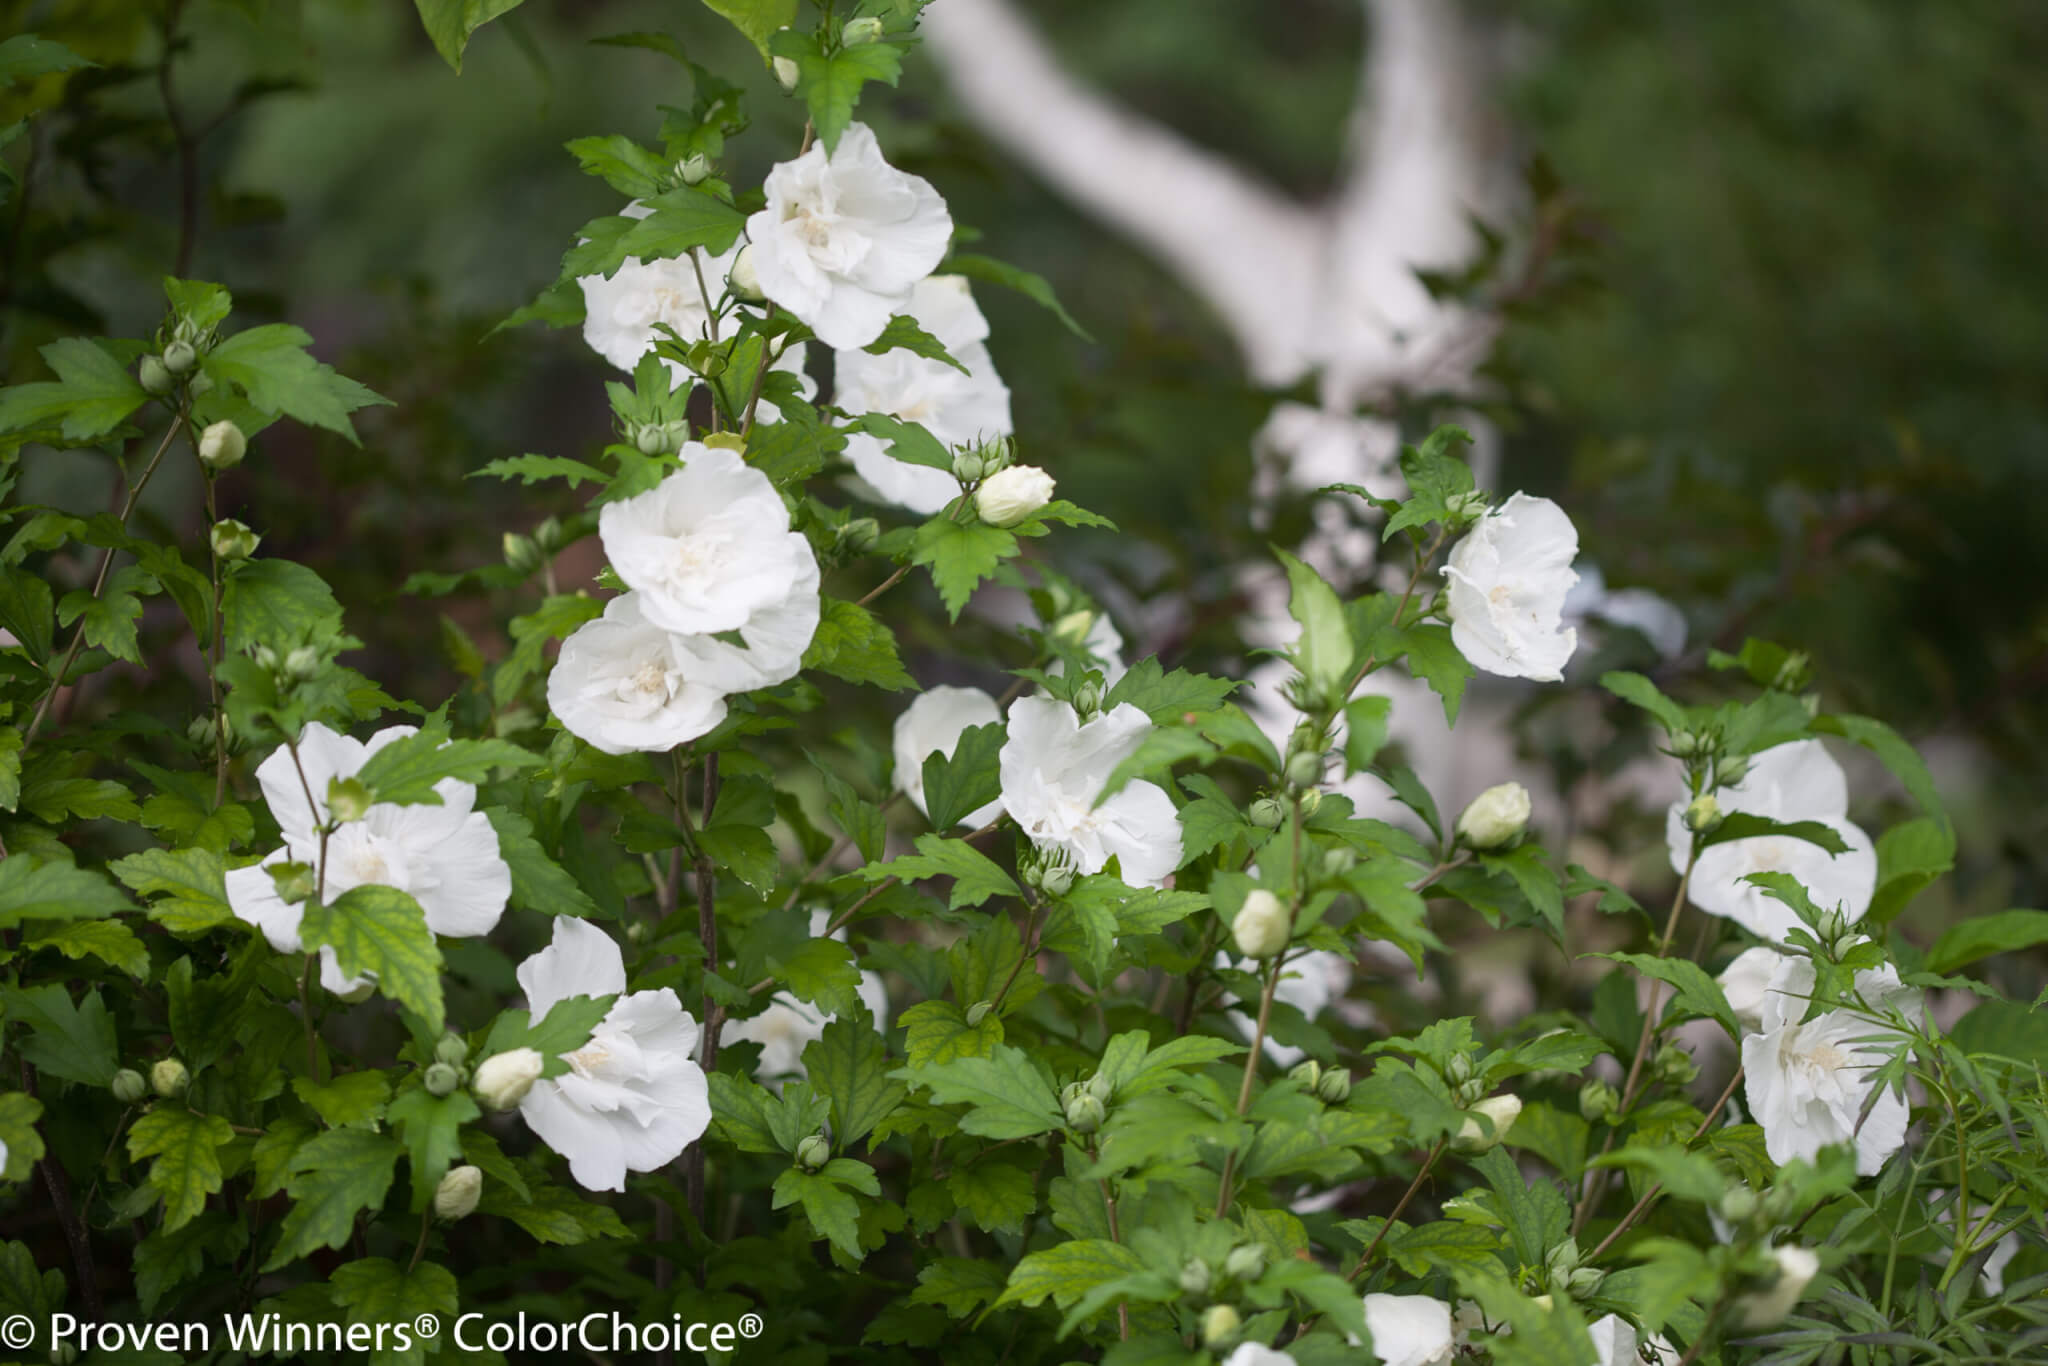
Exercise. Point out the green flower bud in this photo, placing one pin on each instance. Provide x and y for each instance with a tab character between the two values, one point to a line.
1069	1091
1057	880
743	280
1246	1263
265	657
1731	771
222	446
859	535
1267	813
1307	1073
1074	626
787	74
1101	1086
442	1080
1263	925
1335	1087
1308	802
456	1196
1563	1259
1674	1065
548	535
1085	1113
1220	1325
302	663
860	32
813	1153
233	540
1465	508
451	1049
1088	699
1458	1069
1738	1204
128	1086
1684	744
692	169
1195	1277
1305	770
520	552
978	1012
179	357
201	732
998	453
1794	673
637	932
1832	927
1702	814
169	1078
295	881
1598	1102
1338	861
154	376
1585	1282
347	799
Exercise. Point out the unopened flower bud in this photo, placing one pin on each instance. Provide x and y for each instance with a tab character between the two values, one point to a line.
200	385
1102	1086
1263	925
1267	813
265	657
347	799
1057	880
1674	1065
1585	1282
967	467
1794	672
520	551
859	535
1738	1204
787	73
1468	506
1307	1073
1563	1259
637	932
743	280
978	1012
294	881
179	357
1458	1069
1074	626
503	1079
1085	1113
302	662
1684	744
1195	1276
169	1078
233	540
1501	1110
222	446
442	1079
1598	1102
1305	770
451	1049
200	730
128	1086
1731	771
1088	699
1496	817
1702	814
692	169
1833	926
860	32
813	1153
1796	1267
1008	496
1245	1263
1220	1325
1068	1092
456	1196
1338	861
997	453
154	375
1335	1087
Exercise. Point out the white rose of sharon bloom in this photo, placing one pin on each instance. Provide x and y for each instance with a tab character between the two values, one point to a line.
622	314
1744	980
446	857
1508	579
1786	783
1410	1330
622	684
956	409
844	238
788	1025
933	724
1053	768
1254	1354
1809	1084
633	1098
1797	1266
1011	494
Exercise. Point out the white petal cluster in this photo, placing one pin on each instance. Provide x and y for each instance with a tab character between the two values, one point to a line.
1508	579
707	553
845	238
957	409
1410	1330
446	857
1618	1344
788	1026
633	1098
1809	1082
1786	783
933	724
1054	767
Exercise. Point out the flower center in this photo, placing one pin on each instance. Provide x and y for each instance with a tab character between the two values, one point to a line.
651	680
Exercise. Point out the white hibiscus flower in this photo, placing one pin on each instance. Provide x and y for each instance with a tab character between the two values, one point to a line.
788	1025
622	314
1309	983
1744	980
1508	579
622	684
1410	1330
933	724
957	409
445	856
1053	768
844	238
633	1098
1786	783
1256	1354
1808	1083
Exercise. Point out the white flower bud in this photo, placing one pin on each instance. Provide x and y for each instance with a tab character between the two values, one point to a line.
1008	496
968	467
1263	926
503	1079
1085	1113
154	375
813	1153
692	169
1495	817
1702	814
786	73
1502	1110
1246	1263
1796	1267
222	445
179	357
233	540
456	1196
1220	1325
743	280
860	32
169	1078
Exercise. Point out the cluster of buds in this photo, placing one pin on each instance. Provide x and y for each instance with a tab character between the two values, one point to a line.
1599	1102
1331	1085
177	360
1563	1275
445	1075
1087	1103
296	665
1048	870
1674	1065
976	462
658	438
1461	510
205	731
